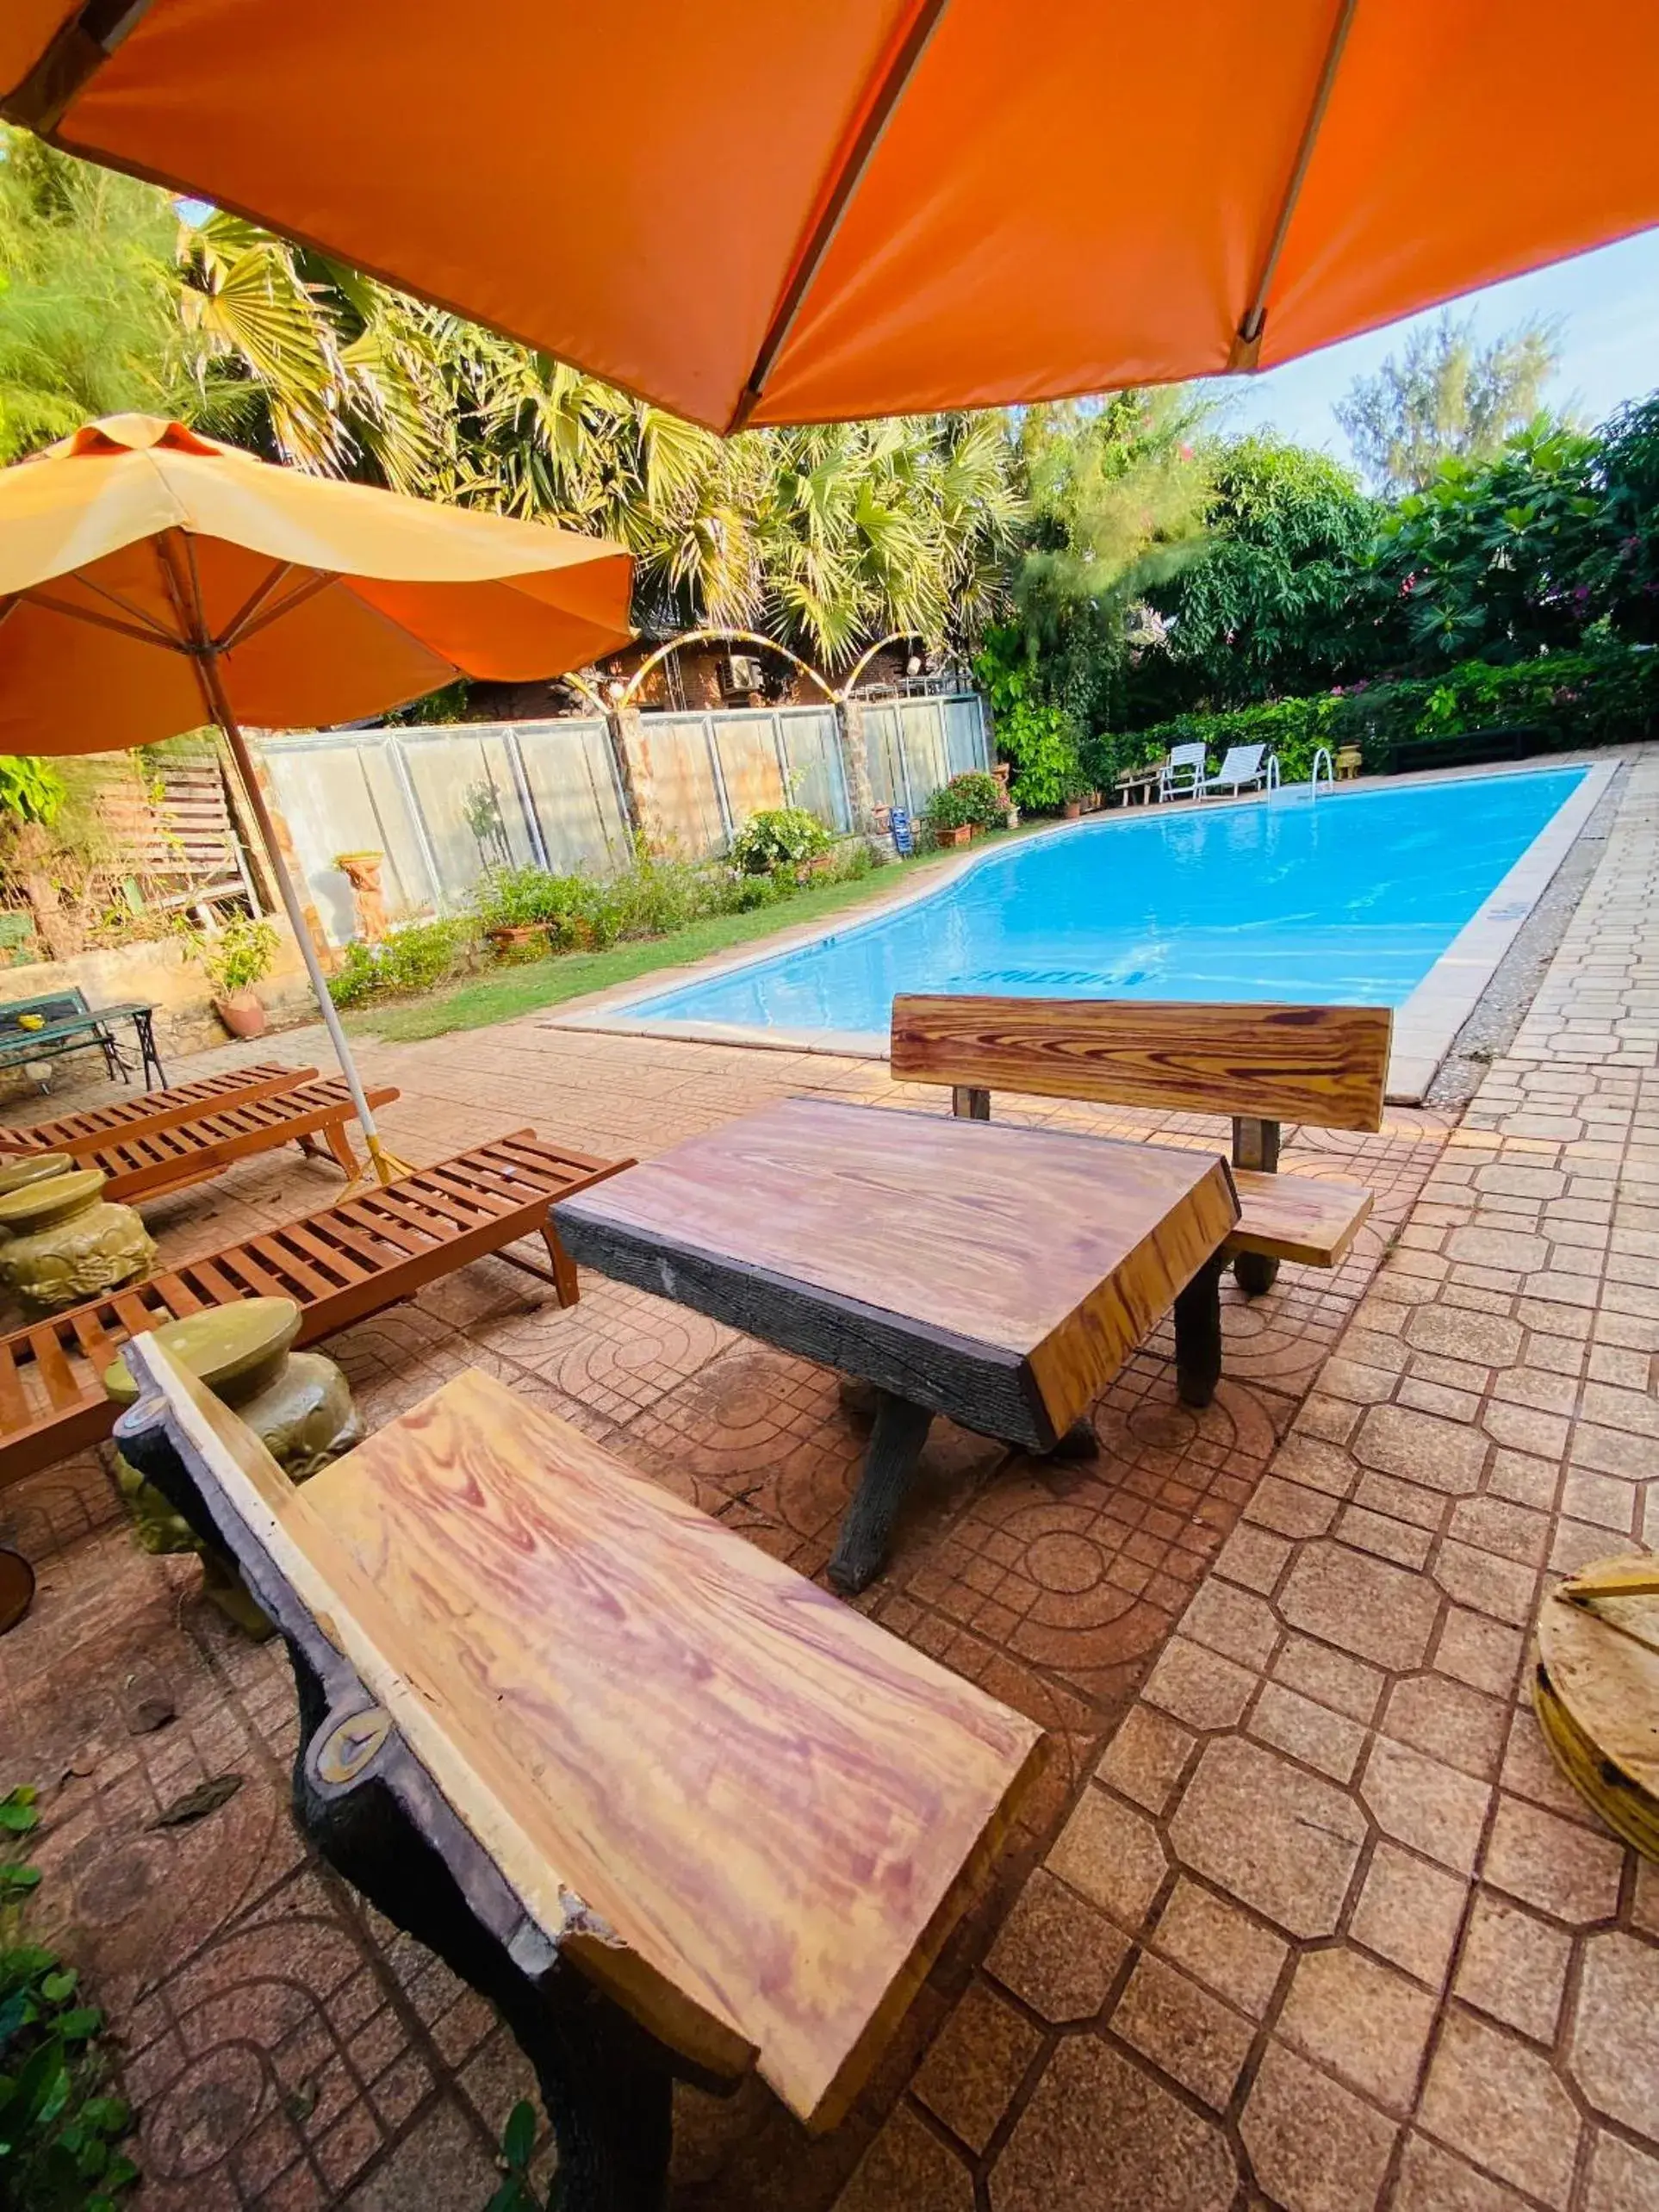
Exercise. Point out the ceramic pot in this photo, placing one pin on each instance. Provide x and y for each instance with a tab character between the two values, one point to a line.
17	1173
1073	809
241	1013
64	1242
964	836
297	1403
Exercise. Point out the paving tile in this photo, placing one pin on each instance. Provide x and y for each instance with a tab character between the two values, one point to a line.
1410	1912
1363	1605
1100	2135
908	2164
1331	1678
1432	2180
1361	2021
1188	2034
1222	1946
1614	2051
1241	1628
1144	1759
1449	1721
1112	1856
1314	2145
1500	2105
1439	1455
1058	1955
1568	1872
1319	1737
1622	2178
1277	1839
1199	1686
1514	1966
1425	1804
1254	1556
975	2065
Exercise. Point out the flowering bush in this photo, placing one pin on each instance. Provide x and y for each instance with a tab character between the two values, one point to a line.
778	836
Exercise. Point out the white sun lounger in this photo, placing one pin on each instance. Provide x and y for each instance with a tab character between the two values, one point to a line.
1243	769
1183	773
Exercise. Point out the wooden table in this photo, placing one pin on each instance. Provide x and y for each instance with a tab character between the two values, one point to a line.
998	1274
670	1807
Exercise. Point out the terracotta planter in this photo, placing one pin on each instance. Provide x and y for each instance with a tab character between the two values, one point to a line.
241	1013
512	937
1073	809
962	837
362	872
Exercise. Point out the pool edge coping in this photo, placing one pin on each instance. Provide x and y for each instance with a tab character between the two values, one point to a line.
1426	1022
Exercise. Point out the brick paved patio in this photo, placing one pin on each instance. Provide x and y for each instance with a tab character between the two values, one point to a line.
1316	1924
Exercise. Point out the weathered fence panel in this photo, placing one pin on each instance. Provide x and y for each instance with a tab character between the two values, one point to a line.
445	804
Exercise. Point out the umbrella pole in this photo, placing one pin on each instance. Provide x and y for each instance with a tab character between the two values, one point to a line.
387	1165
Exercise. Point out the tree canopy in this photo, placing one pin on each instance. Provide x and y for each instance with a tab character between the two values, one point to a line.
1445	396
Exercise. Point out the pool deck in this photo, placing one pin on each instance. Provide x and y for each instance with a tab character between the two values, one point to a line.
1425	1025
1301	1916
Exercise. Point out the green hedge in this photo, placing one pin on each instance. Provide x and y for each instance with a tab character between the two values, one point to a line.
1571	698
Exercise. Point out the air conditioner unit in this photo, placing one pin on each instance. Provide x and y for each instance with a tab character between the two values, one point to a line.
741	671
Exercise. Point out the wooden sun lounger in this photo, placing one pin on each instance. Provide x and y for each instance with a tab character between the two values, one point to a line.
153	1109
192	1138
671	1809
338	1264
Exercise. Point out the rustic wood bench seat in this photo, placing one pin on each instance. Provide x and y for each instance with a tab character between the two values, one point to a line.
339	1263
670	1807
1321	1066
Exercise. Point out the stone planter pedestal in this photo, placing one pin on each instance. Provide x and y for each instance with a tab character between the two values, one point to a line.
18	1171
297	1403
62	1241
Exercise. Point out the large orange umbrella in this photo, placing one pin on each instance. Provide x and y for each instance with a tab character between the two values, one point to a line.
775	213
152	580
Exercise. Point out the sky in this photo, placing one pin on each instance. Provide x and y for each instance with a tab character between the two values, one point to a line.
1608	304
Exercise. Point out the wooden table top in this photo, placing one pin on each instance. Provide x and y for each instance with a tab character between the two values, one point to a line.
998	1273
746	1810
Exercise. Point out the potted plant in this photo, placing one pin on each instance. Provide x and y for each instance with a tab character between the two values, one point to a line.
970	801
520	907
235	958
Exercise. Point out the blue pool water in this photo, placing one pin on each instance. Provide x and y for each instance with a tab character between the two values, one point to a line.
1351	899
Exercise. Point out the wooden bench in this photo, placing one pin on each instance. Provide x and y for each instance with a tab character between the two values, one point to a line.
338	1264
152	1158
670	1808
1323	1066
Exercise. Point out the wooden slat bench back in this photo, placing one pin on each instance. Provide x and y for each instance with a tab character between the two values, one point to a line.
338	1264
745	1810
1325	1065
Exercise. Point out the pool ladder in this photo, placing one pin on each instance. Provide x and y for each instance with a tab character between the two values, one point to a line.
1322	754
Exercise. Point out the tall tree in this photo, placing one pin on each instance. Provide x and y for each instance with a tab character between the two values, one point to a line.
1446	396
1267	607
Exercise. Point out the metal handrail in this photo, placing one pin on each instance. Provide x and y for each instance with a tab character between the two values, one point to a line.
1272	772
1322	753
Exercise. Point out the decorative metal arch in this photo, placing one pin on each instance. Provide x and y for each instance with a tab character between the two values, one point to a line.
718	637
894	637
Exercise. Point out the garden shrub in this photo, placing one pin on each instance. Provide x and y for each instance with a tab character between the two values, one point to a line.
415	957
531	898
776	837
59	2131
1598	696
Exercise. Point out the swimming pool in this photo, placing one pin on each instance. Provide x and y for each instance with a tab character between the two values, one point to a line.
1353	898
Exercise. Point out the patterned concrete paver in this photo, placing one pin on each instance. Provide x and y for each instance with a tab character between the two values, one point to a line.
1302	1914
1326	1929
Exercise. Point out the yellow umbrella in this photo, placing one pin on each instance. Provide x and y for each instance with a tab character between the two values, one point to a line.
152	580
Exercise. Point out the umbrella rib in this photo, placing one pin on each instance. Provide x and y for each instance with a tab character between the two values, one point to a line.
318	580
255	600
151	634
1247	341
893	75
127	607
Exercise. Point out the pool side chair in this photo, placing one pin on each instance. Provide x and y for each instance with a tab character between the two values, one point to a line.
1244	769
1183	773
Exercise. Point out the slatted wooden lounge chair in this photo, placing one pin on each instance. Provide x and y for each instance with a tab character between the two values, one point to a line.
339	1263
153	1109
1325	1067
192	1138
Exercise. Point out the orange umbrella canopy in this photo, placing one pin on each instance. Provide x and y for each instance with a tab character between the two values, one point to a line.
750	211
141	564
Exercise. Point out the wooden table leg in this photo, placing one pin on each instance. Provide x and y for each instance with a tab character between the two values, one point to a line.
1198	1335
896	1442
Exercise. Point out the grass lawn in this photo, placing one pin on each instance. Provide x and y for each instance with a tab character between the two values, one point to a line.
507	993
